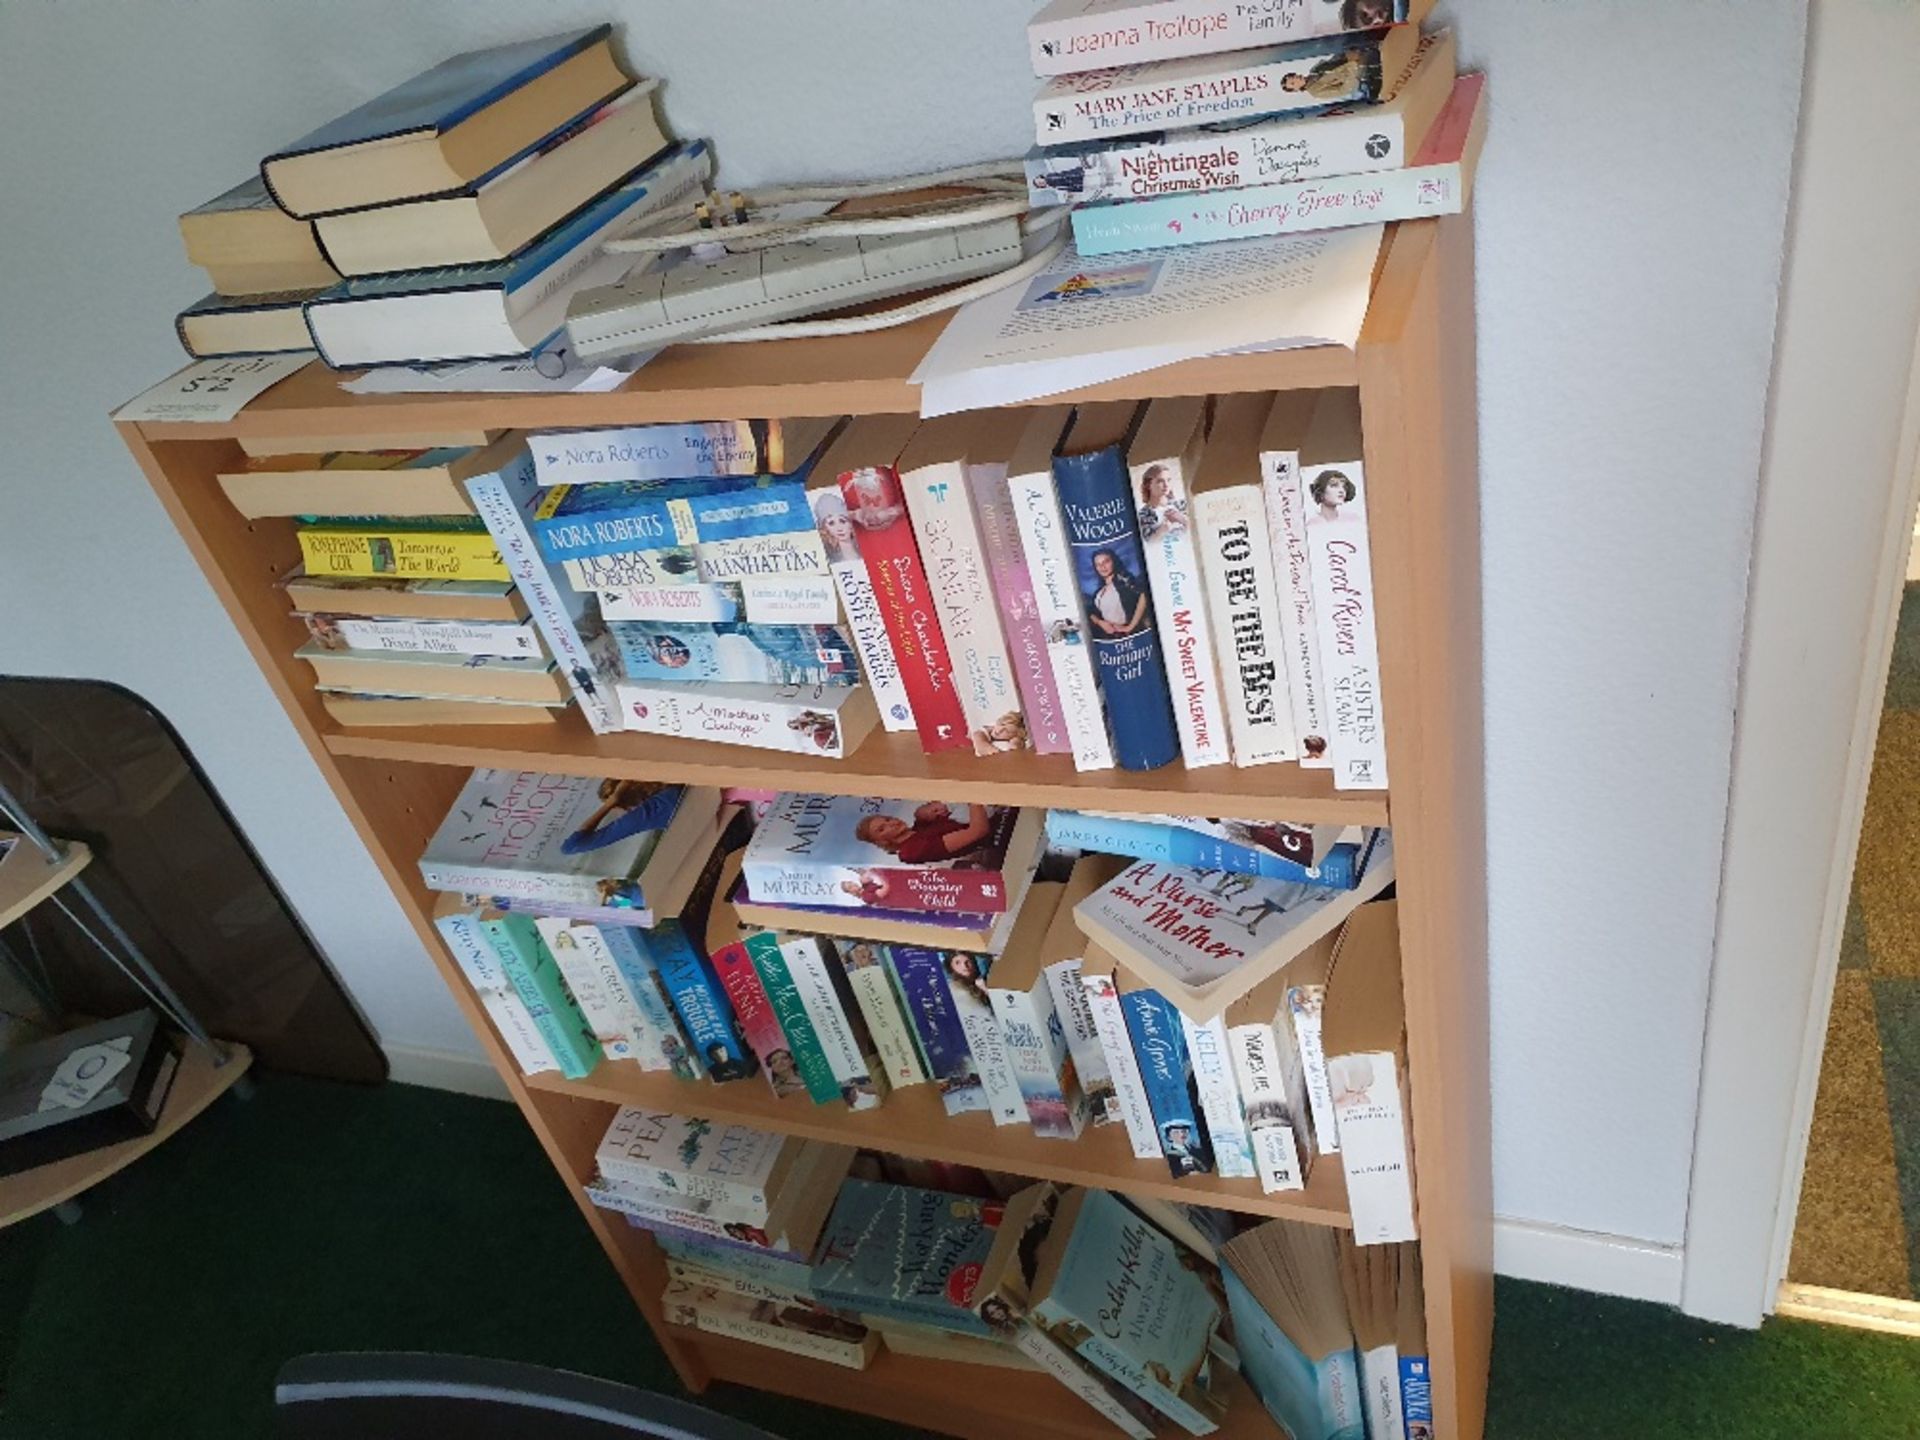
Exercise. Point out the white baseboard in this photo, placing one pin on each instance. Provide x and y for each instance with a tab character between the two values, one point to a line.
1585	1260
454	1070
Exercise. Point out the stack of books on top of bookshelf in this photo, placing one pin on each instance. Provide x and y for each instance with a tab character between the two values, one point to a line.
1180	122
1133	586
1150	1312
450	218
1235	1010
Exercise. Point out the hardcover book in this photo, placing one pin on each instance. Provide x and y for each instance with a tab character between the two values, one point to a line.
836	1021
849	850
752	1006
921	977
568	620
1302	77
937	472
1163	461
730	652
1207	939
564	838
840	540
1356	141
270	323
1113	1288
1116	1046
804	1050
445	126
403	554
1073	35
829	720
1167	1072
700	1002
1438	182
1280	443
529	968
250	246
1333	496
1059	609
864	463
1109	563
1243	594
904	1253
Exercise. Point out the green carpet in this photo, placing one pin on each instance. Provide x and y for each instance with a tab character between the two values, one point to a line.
326	1217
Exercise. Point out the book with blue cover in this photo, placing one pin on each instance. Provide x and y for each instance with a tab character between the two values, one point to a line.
409	142
1115	1290
635	962
920	976
1167	842
904	1253
1154	1027
734	652
1110	568
1291	1328
700	1002
651	453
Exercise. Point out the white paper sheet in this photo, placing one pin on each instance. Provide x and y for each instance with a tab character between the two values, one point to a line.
209	391
1081	322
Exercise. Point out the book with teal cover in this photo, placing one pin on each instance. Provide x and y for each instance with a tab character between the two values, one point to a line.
535	978
635	962
1124	1297
803	1041
702	1005
904	1253
1311	1400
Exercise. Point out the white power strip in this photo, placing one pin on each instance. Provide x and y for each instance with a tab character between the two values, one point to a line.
682	297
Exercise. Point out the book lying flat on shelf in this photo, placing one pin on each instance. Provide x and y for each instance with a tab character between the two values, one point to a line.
757	1175
756	599
1355	141
352	707
398	484
981	934
904	1253
565	838
406	554
501	212
827	720
425	674
670	451
447	126
1068	36
1275	849
866	851
730	652
505	639
267	323
382	596
250	246
1205	939
798	1329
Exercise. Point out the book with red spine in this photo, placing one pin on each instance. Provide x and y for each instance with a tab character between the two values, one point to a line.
878	508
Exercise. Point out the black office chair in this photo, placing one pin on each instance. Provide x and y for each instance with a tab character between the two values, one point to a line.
401	1396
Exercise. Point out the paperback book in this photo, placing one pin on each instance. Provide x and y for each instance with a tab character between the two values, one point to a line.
921	978
850	851
529	968
1169	841
1293	571
596	985
1062	953
880	1005
798	1329
467	942
1116	1047
504	639
1210	1053
1034	1033
829	720
1166	1070
579	521
840	539
837	1021
753	1008
758	600
904	1253
804	1050
734	653
700	1002
403	554
1068	36
696	449
664	1043
734	1166
966	977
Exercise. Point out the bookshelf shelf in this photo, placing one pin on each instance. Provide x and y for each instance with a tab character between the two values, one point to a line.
1413	369
912	1122
27	877
893	766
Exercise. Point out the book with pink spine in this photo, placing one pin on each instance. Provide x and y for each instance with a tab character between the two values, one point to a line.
1013	592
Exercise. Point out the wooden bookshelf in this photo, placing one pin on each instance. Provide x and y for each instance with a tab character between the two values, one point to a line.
1414	371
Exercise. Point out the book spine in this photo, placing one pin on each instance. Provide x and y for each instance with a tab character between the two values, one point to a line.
797	719
873	992
1019	611
837	1027
1304	1004
803	1041
1083	1041
1380	1384
1062	615
501	498
772	880
612	1023
642	1205
788	599
1116	1046
699	603
869	629
402	554
726	1282
906	606
1097	505
439	637
1154	1027
921	977
1066	1367
671	652
466	940
536	980
950	550
780	554
699	1002
1293	577
1094	37
1036	1045
667	567
629	520
849	1354
741	1261
1233	89
1373	1146
666	1039
1343	604
535	887
514	1022
709	1195
1326	203
754	1008
1416	1395
1114	1361
1146	167
1278	1156
1186	634
1212	1061
701	449
1243	607
988	1047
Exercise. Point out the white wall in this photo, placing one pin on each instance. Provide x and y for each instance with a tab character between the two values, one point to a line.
1629	213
